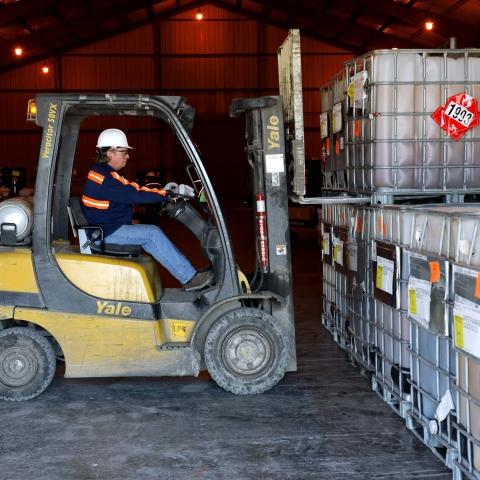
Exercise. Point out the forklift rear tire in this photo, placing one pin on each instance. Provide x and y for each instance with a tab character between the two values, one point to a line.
246	351
27	364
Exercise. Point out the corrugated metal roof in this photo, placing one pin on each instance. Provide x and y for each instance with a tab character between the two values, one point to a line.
45	28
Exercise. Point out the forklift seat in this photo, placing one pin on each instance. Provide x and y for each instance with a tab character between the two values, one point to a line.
90	237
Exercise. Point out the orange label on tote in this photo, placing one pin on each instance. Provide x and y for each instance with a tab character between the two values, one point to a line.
477	286
359	227
382	227
434	272
337	147
356	128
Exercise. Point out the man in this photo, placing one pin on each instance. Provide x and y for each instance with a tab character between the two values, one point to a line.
108	201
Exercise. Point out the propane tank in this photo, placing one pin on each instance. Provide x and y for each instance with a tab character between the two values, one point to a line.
19	212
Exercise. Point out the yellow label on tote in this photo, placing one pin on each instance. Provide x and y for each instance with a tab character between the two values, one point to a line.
458	320
336	253
323	244
379	281
412	301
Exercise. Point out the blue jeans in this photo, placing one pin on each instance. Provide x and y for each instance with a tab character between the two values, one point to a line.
157	244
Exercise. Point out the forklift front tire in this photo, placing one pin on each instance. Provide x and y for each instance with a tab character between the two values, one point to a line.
246	351
27	364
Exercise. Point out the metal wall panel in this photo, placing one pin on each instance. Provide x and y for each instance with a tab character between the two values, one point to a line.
208	37
28	78
14	112
139	40
209	73
108	73
20	149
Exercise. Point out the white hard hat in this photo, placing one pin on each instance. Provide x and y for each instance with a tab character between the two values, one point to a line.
112	138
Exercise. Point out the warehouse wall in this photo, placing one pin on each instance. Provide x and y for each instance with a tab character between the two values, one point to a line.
210	62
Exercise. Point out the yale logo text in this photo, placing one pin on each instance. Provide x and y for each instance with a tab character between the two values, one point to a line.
273	132
107	308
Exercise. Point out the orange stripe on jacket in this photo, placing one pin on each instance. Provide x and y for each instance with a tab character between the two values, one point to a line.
123	180
118	177
160	191
93	203
95	177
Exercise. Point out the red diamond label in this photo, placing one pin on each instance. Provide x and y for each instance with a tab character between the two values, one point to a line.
457	115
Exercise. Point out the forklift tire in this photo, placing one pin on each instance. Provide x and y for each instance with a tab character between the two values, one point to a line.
246	351
27	364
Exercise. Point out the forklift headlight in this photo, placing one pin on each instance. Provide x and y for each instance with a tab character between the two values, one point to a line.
32	110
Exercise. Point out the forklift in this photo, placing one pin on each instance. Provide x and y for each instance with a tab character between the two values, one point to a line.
104	312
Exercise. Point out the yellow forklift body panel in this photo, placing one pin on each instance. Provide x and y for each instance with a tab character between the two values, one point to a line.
17	271
129	280
6	312
96	346
172	330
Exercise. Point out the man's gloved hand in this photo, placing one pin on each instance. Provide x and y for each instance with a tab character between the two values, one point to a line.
171	187
182	190
171	196
186	190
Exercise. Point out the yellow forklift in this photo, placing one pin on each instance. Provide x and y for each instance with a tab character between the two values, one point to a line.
103	309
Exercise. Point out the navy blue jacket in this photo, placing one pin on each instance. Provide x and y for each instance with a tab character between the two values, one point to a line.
108	198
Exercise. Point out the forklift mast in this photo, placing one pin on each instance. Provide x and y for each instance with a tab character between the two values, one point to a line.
265	150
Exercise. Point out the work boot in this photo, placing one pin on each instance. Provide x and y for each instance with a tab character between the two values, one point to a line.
198	281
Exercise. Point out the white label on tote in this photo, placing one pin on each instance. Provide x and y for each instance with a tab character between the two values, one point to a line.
352	248
337	118
338	251
323	125
445	406
466	319
419	297
326	243
356	90
384	279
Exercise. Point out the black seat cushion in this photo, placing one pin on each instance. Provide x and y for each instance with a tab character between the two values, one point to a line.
114	249
95	234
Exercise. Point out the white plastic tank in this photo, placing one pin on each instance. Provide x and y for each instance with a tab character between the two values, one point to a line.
469	404
393	144
17	211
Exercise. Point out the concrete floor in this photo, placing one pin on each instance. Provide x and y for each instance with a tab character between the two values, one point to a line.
322	422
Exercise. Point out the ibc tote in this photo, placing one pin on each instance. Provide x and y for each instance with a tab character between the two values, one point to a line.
465	256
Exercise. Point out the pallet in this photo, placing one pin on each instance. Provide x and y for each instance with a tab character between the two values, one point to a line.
327	322
464	469
405	197
399	398
398	403
445	451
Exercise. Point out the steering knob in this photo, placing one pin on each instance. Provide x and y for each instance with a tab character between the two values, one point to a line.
175	208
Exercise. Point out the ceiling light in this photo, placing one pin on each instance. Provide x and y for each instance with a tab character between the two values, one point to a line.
45	69
429	25
199	15
18	51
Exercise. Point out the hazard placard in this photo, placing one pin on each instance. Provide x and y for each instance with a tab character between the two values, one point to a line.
457	115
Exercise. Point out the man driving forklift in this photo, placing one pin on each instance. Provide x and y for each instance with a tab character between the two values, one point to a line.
108	201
